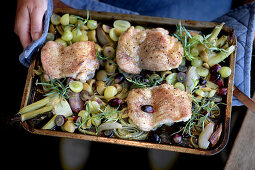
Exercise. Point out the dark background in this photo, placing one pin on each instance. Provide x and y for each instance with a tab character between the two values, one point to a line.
20	149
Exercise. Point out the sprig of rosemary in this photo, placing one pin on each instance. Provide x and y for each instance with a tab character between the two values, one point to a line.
57	87
100	57
183	35
143	82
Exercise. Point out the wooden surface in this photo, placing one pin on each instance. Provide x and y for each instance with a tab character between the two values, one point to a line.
242	155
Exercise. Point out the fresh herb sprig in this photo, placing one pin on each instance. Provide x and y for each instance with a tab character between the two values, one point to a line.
143	82
183	35
188	41
84	20
107	114
100	57
201	112
57	87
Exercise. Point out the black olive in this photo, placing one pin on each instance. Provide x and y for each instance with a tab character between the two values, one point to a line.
147	108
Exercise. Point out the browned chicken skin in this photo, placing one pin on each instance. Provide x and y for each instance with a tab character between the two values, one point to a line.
78	60
170	105
150	49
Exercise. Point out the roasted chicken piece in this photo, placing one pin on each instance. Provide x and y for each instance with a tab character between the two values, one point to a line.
150	49
169	105
78	60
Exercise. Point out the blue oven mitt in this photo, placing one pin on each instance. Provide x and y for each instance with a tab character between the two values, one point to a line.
25	56
241	20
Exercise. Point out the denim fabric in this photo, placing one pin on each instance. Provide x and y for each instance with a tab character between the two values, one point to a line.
242	20
25	56
200	10
96	6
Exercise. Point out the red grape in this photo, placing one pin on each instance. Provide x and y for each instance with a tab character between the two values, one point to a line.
215	69
222	91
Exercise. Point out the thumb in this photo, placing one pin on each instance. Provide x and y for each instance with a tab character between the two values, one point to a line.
36	23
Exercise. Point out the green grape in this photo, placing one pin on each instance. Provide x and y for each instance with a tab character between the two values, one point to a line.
194	52
171	78
101	75
60	41
76	86
76	35
225	71
67	27
195	39
201	71
72	19
92	24
67	35
83	37
110	92
55	19
196	62
139	27
110	67
179	86
83	114
113	35
121	25
50	37
64	20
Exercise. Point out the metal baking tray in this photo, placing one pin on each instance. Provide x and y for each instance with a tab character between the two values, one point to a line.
146	21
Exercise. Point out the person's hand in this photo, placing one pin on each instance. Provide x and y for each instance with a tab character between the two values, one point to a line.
28	21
